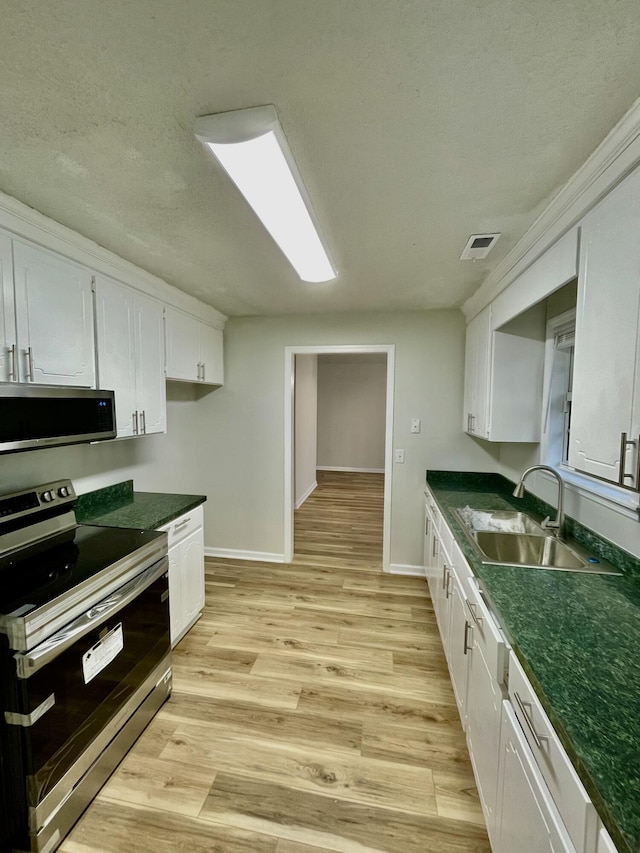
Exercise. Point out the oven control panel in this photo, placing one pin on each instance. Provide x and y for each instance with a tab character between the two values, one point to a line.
20	504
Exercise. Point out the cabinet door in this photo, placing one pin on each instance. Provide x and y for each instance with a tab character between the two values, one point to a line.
477	368
7	315
606	348
211	355
151	390
183	346
116	348
527	819
176	609
458	649
484	698
54	312
192	586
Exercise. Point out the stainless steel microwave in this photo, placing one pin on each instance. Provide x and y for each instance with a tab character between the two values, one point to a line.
46	416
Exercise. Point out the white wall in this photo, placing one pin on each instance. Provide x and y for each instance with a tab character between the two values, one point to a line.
244	467
306	426
351	411
165	463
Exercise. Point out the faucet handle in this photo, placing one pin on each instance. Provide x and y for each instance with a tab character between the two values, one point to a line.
547	524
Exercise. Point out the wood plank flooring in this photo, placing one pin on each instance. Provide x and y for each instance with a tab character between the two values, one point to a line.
312	711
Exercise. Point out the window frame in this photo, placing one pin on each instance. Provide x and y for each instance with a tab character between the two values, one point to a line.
608	494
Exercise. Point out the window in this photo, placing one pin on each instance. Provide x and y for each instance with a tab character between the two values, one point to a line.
556	426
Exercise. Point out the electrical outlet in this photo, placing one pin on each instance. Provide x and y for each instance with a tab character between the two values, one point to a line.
398	455
415	425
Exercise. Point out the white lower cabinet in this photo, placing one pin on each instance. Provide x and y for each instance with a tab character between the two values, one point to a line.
531	796
527	819
457	647
486	663
186	572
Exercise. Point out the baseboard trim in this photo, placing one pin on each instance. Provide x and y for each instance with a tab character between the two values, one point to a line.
350	470
309	491
406	569
232	554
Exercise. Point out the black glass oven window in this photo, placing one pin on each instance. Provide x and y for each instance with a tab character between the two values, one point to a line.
81	710
31	418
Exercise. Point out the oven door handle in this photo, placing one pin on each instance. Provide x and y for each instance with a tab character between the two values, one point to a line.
27	663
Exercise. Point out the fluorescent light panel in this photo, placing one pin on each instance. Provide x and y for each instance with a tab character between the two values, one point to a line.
251	147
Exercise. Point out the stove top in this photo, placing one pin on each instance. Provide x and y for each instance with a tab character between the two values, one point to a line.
53	570
43	572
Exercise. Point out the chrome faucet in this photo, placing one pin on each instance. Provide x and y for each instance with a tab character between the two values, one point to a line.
557	526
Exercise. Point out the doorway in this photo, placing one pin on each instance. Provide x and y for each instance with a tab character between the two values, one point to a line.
289	427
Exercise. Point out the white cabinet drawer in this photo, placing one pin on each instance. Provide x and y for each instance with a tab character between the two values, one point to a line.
183	526
570	797
485	632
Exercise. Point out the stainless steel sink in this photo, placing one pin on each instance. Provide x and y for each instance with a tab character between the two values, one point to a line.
523	549
533	549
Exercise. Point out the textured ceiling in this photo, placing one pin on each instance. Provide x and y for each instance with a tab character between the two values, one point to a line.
414	124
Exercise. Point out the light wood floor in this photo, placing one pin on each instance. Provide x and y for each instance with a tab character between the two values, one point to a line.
312	711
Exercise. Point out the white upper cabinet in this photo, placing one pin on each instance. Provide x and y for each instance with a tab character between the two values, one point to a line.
130	345
194	349
606	378
503	376
476	375
53	304
7	315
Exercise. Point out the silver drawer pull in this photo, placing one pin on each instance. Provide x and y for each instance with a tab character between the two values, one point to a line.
30	363
182	523
473	608
534	734
467	627
13	374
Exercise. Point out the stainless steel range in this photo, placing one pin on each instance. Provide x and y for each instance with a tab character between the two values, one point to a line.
84	658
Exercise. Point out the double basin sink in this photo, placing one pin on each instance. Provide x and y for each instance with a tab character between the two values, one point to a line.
510	538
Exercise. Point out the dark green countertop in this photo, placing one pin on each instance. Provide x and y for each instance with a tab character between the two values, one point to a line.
120	506
578	638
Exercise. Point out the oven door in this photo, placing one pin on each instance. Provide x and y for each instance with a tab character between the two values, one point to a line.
77	689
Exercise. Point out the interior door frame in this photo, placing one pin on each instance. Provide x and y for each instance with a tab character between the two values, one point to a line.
290	353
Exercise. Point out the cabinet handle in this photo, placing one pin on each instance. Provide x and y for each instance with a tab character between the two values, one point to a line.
445	569
467	627
468	421
638	465
182	523
534	734
623	458
135	423
199	371
13	375
204	368
30	363
434	547
426	525
447	589
143	422
472	610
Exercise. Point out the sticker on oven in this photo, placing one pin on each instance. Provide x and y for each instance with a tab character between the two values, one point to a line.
101	655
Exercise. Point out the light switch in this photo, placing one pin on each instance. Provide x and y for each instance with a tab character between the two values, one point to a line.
415	425
398	455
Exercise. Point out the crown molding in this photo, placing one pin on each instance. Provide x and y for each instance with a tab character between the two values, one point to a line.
26	222
612	160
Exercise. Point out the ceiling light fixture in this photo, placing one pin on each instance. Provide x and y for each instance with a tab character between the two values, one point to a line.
252	148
